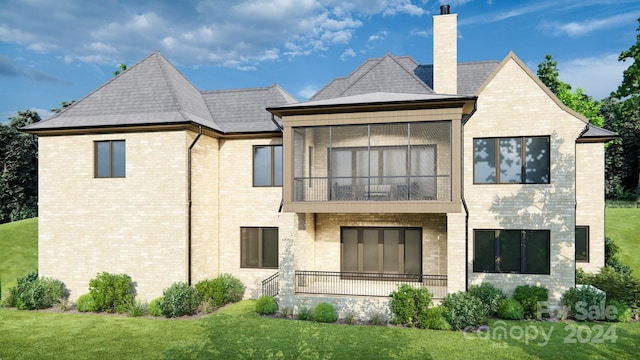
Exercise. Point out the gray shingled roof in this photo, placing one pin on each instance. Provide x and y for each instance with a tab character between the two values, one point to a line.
403	74
597	134
153	91
371	98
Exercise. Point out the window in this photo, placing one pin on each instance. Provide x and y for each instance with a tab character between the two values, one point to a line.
267	165
517	160
259	247
381	250
109	159
511	251
582	243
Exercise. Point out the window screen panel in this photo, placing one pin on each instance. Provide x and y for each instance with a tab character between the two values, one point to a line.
484	161
270	248
510	160
537	252
349	250
484	254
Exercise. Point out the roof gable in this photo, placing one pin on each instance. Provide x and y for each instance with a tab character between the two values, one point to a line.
387	74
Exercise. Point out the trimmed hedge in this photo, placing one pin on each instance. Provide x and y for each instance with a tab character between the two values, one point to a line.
266	305
112	292
528	296
325	313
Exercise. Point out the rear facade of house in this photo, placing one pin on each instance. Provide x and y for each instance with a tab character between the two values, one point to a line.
442	176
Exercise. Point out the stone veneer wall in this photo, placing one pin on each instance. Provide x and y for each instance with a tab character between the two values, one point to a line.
590	201
134	225
513	104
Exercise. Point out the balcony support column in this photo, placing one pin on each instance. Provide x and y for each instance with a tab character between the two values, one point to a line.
456	267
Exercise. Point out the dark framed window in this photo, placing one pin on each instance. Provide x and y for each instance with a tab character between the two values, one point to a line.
259	247
267	165
582	243
511	251
381	250
518	160
110	159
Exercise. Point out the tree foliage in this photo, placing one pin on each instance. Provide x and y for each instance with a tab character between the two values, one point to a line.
18	169
121	69
622	115
63	105
578	101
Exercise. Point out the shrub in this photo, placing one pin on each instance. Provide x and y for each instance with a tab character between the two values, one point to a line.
350	318
528	296
9	300
325	313
611	259
377	318
266	305
137	309
304	313
510	309
285	312
409	304
463	310
623	287
154	308
112	292
434	319
623	312
85	303
33	293
179	299
222	290
489	295
580	299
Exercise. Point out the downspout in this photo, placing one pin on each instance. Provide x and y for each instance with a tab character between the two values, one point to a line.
189	220
273	118
464	201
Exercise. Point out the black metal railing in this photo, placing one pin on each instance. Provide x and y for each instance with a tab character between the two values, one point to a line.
365	284
270	285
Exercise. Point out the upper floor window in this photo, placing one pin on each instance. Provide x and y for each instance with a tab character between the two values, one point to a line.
519	160
267	165
110	159
511	251
582	243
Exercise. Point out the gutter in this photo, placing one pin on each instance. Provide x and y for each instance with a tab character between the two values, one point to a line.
189	216
273	118
464	201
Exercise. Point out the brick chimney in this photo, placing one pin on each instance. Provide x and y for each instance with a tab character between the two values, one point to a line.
445	52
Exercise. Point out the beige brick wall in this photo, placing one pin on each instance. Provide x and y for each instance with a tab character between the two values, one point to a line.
590	200
512	104
241	204
134	225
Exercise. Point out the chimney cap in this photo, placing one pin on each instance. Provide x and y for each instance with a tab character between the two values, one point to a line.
444	10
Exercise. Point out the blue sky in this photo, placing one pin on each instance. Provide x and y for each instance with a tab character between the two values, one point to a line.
55	51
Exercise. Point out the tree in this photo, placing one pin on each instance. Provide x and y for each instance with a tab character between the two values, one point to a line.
625	120
18	169
64	105
578	101
121	69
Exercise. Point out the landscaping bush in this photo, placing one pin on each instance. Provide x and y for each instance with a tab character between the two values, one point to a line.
179	299
325	313
222	290
85	303
623	312
409	304
463	310
580	299
489	295
304	313
434	319
266	305
377	318
510	309
528	296
623	287
112	292
32	292
9	300
154	308
137	309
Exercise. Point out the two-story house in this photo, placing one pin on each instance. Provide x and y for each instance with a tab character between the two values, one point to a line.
442	175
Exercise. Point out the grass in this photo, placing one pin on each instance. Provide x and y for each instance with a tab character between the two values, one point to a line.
18	251
237	332
622	225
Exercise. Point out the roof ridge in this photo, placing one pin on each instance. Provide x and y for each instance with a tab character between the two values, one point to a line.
172	91
340	78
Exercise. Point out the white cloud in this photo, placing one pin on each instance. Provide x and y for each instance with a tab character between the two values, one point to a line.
307	92
598	76
347	54
44	113
580	28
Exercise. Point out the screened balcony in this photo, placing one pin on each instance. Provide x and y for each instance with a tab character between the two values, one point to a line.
373	162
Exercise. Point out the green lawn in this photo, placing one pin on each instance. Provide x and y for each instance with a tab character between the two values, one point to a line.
18	251
237	332
622	225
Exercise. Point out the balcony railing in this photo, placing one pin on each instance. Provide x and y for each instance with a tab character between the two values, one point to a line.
365	284
383	188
